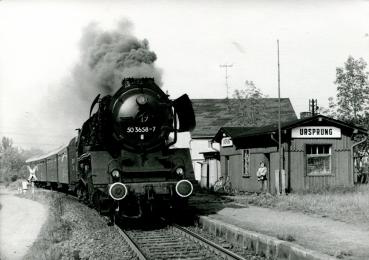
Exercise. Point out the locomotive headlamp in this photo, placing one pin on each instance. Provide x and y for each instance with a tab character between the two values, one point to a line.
180	171
117	191
115	174
141	100
184	188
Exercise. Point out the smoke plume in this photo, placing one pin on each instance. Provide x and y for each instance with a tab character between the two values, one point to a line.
109	56
106	57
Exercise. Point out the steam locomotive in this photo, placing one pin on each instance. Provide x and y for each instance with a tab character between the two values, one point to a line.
123	162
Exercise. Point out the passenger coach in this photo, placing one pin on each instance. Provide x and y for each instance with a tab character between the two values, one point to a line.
57	169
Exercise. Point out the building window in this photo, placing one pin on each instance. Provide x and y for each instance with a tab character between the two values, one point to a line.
319	159
245	163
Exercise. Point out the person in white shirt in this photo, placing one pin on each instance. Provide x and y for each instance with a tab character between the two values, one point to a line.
262	176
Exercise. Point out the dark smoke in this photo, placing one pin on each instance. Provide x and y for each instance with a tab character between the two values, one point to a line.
109	56
106	57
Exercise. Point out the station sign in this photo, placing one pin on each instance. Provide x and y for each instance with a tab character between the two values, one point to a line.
226	142
316	132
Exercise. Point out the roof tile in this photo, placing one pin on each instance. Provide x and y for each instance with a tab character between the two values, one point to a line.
212	114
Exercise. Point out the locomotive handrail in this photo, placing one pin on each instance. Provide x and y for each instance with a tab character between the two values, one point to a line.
96	100
84	156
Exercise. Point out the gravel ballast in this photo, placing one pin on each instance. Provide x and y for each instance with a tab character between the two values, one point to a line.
74	231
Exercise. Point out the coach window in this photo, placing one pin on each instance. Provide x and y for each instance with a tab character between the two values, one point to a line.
246	163
319	159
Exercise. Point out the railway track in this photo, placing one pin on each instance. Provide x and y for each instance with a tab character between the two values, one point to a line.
173	242
169	241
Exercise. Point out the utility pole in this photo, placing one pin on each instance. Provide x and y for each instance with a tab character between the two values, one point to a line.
279	126
226	66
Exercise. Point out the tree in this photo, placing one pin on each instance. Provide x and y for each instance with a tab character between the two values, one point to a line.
249	92
352	90
12	160
6	143
246	105
352	100
331	111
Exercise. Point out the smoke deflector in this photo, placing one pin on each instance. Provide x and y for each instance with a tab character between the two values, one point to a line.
186	115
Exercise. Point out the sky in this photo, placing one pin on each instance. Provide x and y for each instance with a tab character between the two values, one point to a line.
40	46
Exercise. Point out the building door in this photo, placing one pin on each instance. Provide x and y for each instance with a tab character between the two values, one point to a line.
226	166
267	164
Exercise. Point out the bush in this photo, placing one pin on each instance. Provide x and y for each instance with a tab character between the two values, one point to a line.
13	178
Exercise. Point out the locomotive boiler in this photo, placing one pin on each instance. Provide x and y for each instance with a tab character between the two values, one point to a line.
123	160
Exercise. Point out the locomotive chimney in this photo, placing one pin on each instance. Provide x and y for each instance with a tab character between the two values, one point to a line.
137	82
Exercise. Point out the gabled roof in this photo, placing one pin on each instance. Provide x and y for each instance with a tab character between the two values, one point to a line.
243	134
212	114
318	120
231	132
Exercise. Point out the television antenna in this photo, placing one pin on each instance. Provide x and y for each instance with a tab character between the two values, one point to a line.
226	66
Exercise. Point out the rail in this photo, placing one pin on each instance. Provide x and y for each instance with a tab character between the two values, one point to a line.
146	244
131	243
211	246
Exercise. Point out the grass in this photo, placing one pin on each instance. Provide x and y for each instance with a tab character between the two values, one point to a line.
286	237
350	205
53	232
14	185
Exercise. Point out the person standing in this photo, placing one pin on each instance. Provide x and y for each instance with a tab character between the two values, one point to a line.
262	176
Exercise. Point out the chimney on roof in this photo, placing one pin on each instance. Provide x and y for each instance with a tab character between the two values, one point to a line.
305	115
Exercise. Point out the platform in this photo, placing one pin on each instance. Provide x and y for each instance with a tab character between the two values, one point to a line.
310	237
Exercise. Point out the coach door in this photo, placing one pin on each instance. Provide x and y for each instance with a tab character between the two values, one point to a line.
63	166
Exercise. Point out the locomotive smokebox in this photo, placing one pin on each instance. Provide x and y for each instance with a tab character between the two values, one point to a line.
142	115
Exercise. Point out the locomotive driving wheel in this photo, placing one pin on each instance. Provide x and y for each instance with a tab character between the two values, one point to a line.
81	192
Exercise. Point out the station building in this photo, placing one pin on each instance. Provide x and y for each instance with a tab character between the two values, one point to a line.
212	114
317	153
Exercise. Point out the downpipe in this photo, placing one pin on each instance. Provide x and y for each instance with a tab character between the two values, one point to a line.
352	156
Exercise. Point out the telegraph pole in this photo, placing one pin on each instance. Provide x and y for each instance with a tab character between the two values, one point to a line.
279	125
226	66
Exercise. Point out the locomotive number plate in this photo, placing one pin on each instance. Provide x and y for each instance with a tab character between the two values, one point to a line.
141	129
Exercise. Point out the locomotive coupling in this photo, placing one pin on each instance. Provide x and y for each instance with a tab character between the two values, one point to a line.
184	188
117	190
